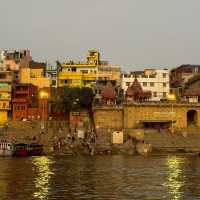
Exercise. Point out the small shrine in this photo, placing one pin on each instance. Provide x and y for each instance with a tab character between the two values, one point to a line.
109	94
135	93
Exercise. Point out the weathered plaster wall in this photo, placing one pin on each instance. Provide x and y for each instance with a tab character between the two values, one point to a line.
108	118
131	115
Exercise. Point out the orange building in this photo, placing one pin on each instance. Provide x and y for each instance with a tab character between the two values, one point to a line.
27	103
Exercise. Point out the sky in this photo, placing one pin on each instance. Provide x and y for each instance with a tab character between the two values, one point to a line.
134	34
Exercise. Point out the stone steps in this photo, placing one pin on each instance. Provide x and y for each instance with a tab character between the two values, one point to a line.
165	140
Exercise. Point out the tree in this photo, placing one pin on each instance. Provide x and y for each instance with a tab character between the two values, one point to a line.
86	97
69	99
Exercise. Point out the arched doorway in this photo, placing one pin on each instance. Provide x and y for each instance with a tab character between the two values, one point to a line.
191	118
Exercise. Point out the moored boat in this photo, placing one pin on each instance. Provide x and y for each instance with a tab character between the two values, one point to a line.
35	149
20	150
23	150
6	148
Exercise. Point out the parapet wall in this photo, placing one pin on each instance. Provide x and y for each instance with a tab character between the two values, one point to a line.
109	117
130	116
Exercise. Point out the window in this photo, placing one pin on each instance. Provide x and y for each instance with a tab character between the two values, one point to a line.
164	75
84	71
164	94
53	82
66	81
73	69
144	84
155	94
152	84
164	84
128	84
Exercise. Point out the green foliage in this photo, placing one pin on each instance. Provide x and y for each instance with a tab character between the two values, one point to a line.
86	97
74	98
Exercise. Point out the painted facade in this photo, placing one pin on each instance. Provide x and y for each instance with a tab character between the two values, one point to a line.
35	74
5	94
79	74
27	103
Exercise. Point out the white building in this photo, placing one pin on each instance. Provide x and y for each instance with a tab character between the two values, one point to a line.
154	80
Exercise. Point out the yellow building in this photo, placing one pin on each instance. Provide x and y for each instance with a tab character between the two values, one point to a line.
35	74
78	74
5	95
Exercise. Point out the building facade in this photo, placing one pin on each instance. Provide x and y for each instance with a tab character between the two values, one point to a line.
5	94
52	74
180	76
27	103
79	74
107	74
35	74
154	80
14	60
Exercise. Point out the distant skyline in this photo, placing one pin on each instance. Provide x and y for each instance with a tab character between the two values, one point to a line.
134	34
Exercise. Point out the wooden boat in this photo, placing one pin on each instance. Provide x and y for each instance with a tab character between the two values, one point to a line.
23	150
35	149
6	148
20	150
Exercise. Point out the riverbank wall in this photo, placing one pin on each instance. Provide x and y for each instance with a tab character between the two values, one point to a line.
59	139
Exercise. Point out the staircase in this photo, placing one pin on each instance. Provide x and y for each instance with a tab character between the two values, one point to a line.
167	142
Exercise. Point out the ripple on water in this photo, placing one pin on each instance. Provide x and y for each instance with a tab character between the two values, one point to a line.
100	177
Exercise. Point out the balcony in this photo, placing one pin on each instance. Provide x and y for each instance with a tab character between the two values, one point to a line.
21	92
5	98
5	105
6	89
6	79
77	75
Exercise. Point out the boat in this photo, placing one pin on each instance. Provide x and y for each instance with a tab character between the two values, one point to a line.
6	148
35	149
24	150
20	150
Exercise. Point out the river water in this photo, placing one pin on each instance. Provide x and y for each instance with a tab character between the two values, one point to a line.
100	177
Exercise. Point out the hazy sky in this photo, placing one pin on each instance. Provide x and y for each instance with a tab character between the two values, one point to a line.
132	33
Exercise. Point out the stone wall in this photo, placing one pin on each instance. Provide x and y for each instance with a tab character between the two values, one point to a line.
108	117
129	116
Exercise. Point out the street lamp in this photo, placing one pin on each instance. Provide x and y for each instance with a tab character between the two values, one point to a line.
43	95
172	98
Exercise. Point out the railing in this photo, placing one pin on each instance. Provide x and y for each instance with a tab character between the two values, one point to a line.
9	79
5	89
5	98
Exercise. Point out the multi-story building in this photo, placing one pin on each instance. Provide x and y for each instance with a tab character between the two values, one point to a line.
107	74
180	76
5	94
79	74
35	74
154	80
27	102
52	74
14	60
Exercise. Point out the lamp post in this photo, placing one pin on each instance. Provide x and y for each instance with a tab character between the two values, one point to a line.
172	98
43	96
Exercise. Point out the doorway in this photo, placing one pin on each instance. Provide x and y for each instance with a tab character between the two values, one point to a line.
191	118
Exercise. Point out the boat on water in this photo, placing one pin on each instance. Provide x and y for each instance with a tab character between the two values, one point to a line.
20	150
24	150
35	149
6	148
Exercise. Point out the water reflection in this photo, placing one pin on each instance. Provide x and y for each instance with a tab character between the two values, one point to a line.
100	177
42	180
175	179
